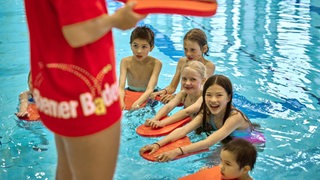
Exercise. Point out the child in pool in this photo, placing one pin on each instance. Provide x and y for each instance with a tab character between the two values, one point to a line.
192	80
217	114
195	47
25	98
140	70
237	159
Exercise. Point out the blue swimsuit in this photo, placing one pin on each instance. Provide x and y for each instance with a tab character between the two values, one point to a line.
248	134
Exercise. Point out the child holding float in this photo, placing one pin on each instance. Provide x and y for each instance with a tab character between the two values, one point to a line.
27	109
192	80
218	118
140	70
195	47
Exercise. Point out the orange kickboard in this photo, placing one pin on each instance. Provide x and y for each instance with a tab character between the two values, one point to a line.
130	97
173	145
33	113
147	131
212	173
182	7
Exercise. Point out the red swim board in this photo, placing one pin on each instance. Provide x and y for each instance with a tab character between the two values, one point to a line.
212	173
130	97
182	7
147	131
33	113
173	145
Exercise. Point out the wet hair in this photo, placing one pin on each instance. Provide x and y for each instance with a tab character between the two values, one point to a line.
244	151
197	66
226	84
198	36
143	32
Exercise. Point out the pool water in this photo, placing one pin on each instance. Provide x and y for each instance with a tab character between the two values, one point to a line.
270	51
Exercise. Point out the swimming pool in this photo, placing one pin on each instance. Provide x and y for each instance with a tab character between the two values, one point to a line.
269	49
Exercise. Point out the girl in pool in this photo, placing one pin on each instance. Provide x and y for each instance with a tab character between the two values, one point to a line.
192	80
217	114
195	47
141	71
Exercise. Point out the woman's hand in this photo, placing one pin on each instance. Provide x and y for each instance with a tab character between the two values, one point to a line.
126	18
152	148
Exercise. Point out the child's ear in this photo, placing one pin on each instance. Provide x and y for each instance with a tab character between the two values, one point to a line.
151	47
203	80
229	98
204	48
246	169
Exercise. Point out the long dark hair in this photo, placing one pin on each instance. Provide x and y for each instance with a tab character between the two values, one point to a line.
226	84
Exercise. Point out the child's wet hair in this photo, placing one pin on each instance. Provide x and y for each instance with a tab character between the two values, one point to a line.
226	84
197	66
198	36
143	32
244	152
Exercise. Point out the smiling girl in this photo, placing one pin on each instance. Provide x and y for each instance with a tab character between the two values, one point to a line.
218	119
195	47
192	80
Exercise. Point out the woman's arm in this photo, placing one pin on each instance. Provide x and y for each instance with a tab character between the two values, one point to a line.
86	32
153	81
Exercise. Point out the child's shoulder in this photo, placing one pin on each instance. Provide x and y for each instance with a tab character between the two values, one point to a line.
209	62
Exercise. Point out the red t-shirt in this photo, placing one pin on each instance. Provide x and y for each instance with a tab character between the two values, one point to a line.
75	89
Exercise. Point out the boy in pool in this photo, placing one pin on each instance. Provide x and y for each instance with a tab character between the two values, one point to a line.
195	47
140	70
237	159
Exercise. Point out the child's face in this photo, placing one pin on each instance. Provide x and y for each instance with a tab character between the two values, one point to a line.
191	80
216	99
229	168
140	49
192	50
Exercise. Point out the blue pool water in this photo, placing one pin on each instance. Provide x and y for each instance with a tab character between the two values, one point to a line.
269	49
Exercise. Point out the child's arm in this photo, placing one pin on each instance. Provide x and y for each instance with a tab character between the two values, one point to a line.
122	81
189	111
164	111
210	68
151	85
167	94
173	136
231	124
23	107
176	78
